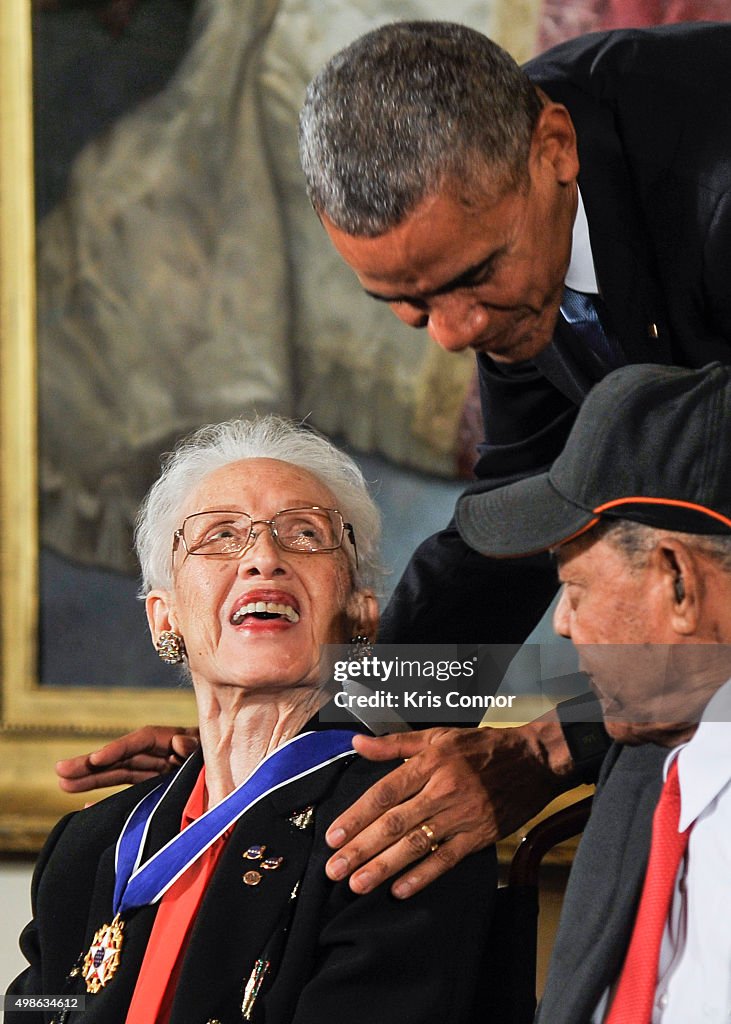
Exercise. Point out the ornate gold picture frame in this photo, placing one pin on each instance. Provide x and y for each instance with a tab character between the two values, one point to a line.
37	724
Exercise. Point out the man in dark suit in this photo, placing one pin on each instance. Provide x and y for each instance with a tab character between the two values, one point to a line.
467	193
560	221
637	510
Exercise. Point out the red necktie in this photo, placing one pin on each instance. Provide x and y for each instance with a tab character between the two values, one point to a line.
636	989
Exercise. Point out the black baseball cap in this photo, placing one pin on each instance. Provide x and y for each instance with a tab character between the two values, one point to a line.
650	443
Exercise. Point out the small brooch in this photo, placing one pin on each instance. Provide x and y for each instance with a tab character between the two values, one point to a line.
303	819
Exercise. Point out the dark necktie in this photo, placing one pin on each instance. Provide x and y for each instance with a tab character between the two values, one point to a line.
637	983
580	311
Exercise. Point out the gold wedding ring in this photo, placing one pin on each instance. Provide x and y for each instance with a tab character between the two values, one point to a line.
430	835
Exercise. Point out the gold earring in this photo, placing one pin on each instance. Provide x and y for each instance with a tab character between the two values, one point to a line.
360	647
170	647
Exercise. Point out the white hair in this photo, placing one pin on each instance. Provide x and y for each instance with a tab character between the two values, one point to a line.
264	437
637	541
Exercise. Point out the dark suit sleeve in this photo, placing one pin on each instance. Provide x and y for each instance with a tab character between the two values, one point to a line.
71	895
604	885
31	981
451	594
717	267
527	420
381	959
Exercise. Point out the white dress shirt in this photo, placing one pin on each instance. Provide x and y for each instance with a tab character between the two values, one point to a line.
694	973
581	275
694	976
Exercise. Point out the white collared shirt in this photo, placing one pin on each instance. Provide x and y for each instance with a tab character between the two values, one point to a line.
581	275
694	975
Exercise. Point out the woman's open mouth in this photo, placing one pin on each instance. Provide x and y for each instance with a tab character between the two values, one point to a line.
264	610
265	605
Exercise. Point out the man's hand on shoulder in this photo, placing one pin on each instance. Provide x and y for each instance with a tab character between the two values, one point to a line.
142	754
469	787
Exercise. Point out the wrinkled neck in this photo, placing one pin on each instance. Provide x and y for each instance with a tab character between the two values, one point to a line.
238	729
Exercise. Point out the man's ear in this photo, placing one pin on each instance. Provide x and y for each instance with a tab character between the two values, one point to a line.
160	613
363	613
554	140
682	582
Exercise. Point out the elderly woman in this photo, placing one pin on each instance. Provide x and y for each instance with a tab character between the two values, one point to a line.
203	899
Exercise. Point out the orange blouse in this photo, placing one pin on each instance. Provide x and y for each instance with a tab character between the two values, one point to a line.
153	996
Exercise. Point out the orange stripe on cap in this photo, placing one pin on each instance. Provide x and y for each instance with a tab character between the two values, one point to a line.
665	501
578	533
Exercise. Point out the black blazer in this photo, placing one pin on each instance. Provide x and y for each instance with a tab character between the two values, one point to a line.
604	886
653	122
337	957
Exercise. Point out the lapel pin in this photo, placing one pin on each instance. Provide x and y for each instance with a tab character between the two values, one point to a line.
256	853
253	987
303	819
652	331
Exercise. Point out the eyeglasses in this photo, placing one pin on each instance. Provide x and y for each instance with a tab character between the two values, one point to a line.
226	534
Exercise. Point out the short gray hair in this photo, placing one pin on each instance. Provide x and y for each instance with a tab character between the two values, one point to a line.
637	540
406	110
268	437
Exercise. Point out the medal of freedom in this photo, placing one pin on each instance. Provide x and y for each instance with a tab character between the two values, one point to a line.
102	960
137	885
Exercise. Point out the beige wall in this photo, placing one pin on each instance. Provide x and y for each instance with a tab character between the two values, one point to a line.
15	900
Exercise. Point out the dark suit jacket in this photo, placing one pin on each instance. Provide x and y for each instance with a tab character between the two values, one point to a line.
604	886
339	958
653	122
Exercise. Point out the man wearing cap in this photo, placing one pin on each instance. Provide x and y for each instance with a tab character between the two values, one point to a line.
637	510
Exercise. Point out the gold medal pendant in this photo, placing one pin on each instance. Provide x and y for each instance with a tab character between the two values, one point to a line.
102	960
